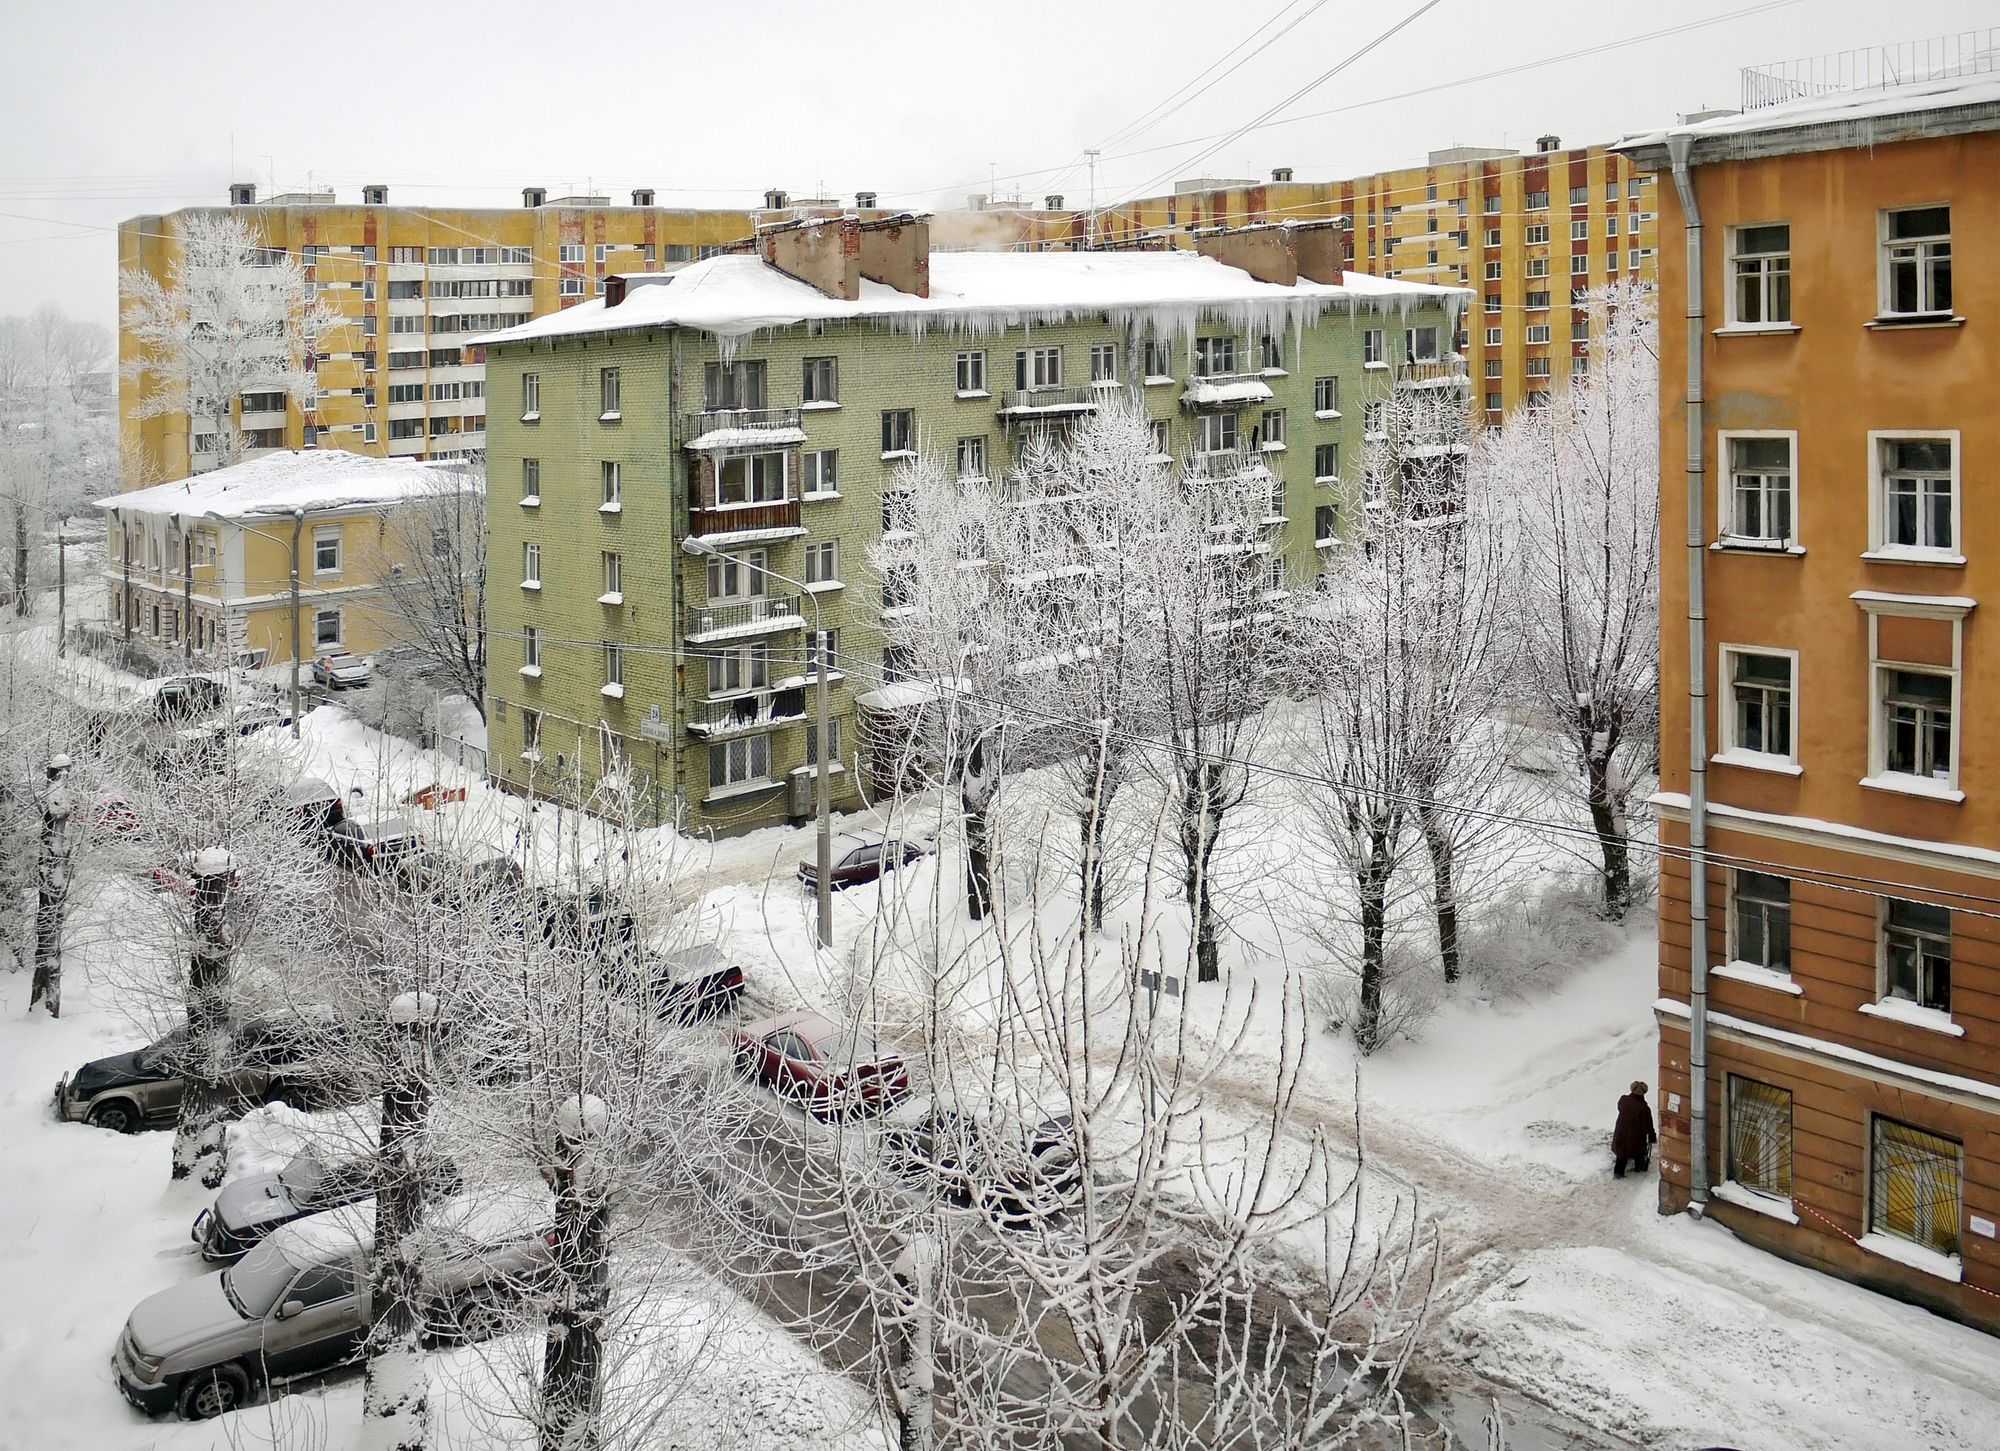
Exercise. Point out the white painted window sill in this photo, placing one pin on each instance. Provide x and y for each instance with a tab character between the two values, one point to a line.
612	597
533	584
1274	373
1757	975
1328	413
532	672
531	501
1740	544
615	692
1890	322
898	455
610	508
1383	367
1330	542
531	418
820	405
741	788
1915	1015
825	586
1157	380
811	768
1904	554
1730	1192
973	393
612	417
532	756
1273	445
1907	785
1756	329
1326	478
1945	1267
821	497
1758	761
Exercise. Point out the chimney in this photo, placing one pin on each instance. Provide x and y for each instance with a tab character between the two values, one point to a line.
642	197
375	196
825	255
1281	173
1267	253
534	196
243	194
865	200
1325	249
1547	144
775	200
614	290
896	252
1053	201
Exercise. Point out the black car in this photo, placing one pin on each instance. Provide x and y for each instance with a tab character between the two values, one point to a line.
314	805
251	1207
379	844
591	920
858	859
437	877
689	984
1012	1171
187	697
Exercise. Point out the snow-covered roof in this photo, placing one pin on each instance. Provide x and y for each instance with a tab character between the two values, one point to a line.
1856	114
736	294
275	484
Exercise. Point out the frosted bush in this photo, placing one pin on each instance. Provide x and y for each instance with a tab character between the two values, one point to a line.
1412	987
1534	943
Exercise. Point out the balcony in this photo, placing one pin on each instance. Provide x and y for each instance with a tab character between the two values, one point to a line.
745	522
1047	402
1225	390
1230	463
740	714
742	428
728	619
1433	373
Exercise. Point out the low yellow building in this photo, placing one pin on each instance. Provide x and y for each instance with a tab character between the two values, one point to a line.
206	564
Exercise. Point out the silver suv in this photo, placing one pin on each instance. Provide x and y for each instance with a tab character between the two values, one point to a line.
299	1304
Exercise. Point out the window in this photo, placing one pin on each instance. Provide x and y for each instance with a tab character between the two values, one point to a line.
368	433
1538	201
1579	265
1579	230
1038	368
1326	524
1271	427
1271	351
572	287
1493	302
740	762
1916	262
1537	235
1760	272
614	485
326	627
1537	302
737	576
1759	1142
899	511
1759	506
1611	225
748	668
1538	367
1538	333
899	431
406	254
1494	403
1159	358
1326	463
1162	441
972	372
1103	363
972	457
531	481
1914	1189
833	740
1579	196
1493	203
1579	366
738	385
1216	433
1493	367
1916	953
531	649
1372	352
1917	486
531	733
822	645
614	669
1916	722
1760	920
1214	357
1421	344
1326	396
1492	271
822	381
614	578
822	562
1375	419
570	252
531	397
753	478
607	395
1538	266
326	551
1492	236
1492	341
822	472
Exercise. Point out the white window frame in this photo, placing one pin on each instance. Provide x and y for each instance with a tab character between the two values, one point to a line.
983	462
1326	397
1951	609
1104	362
1733	752
320	639
822	562
614	670
531	482
1374	348
757	480
751	748
322	536
611	482
970	374
609	391
1493	337
743	577
531	565
1725	470
531	397
1766	275
612	563
1879	546
817	473
1209	431
1538	334
1885	253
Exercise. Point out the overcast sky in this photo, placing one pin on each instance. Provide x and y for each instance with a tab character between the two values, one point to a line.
121	108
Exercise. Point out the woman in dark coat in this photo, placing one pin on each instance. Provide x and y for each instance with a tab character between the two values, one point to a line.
1633	1138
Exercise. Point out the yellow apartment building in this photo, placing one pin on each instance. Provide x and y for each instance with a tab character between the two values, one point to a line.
206	563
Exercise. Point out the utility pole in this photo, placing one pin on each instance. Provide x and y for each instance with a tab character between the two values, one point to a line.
62	586
187	594
298	528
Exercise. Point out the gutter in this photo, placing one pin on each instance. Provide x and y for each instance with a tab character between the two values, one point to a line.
1678	147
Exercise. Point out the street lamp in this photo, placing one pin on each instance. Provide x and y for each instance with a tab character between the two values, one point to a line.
298	528
694	544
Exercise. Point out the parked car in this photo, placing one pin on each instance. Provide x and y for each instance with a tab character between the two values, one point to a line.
1013	1170
379	844
589	920
251	1208
689	983
188	697
300	1304
339	671
861	858
314	804
281	1056
448	881
832	1068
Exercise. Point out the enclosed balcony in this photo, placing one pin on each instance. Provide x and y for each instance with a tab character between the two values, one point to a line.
731	619
1225	390
738	714
1433	373
1047	402
743	496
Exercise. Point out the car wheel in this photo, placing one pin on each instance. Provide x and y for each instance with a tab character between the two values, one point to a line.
117	1115
209	1393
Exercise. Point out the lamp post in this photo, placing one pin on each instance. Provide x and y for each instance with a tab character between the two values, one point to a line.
298	528
823	790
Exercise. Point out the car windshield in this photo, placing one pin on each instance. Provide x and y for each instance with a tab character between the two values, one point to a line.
254	1283
855	1048
303	1178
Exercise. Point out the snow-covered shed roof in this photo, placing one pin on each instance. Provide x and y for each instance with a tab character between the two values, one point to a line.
1871	115
736	294
316	480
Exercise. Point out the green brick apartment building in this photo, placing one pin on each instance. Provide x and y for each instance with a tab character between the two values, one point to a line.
760	403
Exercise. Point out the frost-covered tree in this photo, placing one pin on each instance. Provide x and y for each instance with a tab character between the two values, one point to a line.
1582	472
433	575
232	316
58	448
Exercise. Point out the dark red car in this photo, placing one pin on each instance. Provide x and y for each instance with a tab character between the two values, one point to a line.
858	859
833	1069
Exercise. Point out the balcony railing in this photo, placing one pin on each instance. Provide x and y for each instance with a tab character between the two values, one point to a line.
1225	390
1016	402
1433	373
741	518
741	427
1228	463
742	713
759	615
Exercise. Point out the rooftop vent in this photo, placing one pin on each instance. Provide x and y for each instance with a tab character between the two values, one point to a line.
1547	144
642	197
375	196
1053	201
865	200
243	194
1281	173
775	200
534	196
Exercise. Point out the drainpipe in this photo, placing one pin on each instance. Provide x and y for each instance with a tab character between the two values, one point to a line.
1697	626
